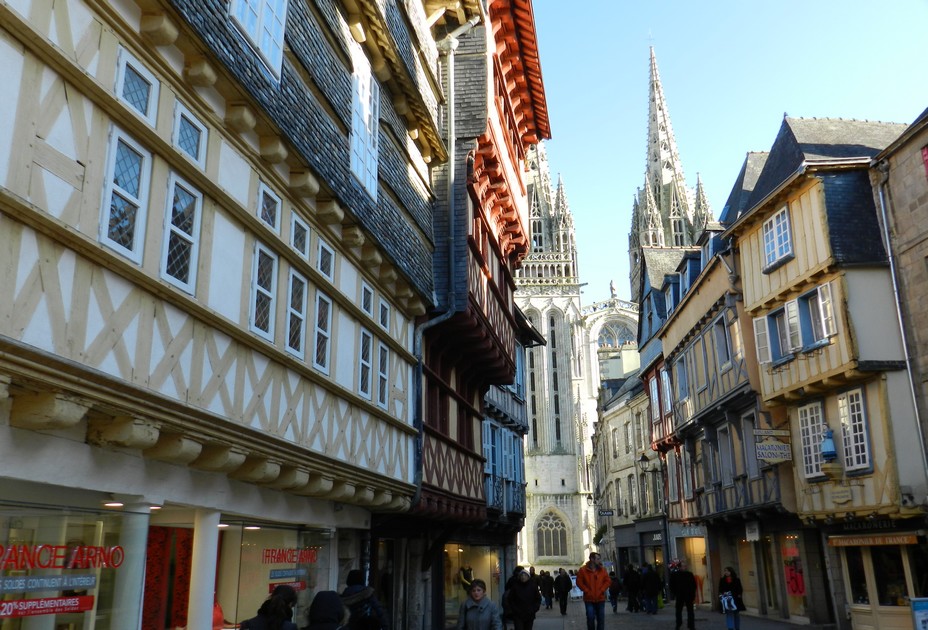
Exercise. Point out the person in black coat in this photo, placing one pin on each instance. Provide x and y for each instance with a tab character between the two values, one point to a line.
327	612
632	585
729	583
683	587
650	587
546	581
562	586
524	600
276	612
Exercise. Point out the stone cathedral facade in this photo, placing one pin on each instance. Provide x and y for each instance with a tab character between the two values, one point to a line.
584	344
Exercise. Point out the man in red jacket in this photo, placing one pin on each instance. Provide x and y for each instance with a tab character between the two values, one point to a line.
593	580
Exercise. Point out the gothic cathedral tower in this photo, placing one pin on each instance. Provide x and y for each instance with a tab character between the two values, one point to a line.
665	213
584	344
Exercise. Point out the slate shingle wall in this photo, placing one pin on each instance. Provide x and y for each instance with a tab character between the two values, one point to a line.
853	228
321	141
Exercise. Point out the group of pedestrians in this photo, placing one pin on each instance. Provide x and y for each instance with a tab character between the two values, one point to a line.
356	608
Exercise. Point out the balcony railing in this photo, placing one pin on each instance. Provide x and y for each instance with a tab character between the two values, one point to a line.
504	495
744	493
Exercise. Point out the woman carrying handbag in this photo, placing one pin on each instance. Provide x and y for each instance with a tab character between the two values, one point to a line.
730	591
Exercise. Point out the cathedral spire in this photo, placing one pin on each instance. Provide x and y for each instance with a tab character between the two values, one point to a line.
663	158
702	213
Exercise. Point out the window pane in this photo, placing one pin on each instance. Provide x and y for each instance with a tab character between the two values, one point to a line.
183	210
262	312
265	271
136	90
127	170
855	572
890	584
188	138
179	254
121	229
269	209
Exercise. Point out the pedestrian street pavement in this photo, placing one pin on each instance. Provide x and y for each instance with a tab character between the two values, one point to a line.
706	619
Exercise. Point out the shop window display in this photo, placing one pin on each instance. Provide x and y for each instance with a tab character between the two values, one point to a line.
857	576
891	586
75	569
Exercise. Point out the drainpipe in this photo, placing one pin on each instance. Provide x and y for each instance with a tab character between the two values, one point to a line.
883	167
446	47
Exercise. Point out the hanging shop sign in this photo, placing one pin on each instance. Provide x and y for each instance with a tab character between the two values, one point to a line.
773	451
752	531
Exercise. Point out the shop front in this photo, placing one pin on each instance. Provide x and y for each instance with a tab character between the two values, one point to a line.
883	567
626	545
464	563
689	543
70	569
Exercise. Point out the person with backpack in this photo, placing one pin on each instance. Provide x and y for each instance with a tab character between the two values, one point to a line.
327	612
276	612
358	598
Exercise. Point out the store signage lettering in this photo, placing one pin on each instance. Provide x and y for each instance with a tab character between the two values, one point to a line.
283	574
23	557
657	537
33	583
289	556
858	541
773	451
46	606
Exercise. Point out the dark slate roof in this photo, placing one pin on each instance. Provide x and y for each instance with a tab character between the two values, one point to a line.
659	261
629	388
741	192
819	139
853	229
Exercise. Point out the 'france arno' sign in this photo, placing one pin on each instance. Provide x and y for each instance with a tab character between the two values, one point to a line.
770	449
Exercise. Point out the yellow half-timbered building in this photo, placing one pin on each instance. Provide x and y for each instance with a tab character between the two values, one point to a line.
816	284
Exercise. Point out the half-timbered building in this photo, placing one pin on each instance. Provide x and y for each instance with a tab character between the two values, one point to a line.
216	235
816	283
493	111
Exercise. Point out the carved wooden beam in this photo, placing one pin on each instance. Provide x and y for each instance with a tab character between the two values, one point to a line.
304	183
318	485
352	236
272	149
330	212
290	477
370	256
199	71
158	29
219	458
124	431
241	118
174	448
257	469
341	491
46	410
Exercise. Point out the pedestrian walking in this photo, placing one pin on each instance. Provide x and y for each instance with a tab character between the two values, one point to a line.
615	587
730	585
479	612
593	580
683	587
359	599
547	588
523	600
650	588
327	612
632	583
562	586
276	612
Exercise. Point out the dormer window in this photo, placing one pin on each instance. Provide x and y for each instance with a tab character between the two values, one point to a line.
778	244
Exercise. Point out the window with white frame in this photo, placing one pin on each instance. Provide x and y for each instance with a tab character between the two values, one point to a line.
628	437
709	464
263	295
518	381
722	346
655	403
672	483
811	428
383	374
190	135
365	360
269	207
125	198
367	299
667	390
181	242
853	418
325	260
263	23
365	118
322	332
632	494
299	235
777	241
800	325
137	87
296	314
384	314
750	450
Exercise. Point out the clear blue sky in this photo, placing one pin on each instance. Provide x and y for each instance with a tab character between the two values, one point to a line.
729	69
